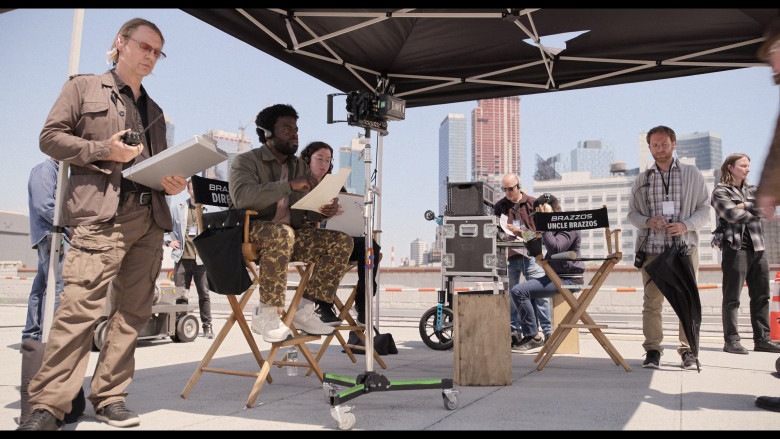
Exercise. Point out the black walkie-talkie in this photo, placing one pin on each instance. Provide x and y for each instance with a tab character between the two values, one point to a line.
133	138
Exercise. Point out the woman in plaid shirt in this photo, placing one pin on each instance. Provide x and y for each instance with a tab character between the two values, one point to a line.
744	258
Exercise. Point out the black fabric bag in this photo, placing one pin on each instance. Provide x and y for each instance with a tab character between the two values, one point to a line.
383	343
219	247
534	247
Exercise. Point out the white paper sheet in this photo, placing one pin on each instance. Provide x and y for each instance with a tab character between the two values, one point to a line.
351	221
328	189
502	220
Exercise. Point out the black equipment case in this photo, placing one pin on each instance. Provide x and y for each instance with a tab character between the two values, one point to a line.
470	247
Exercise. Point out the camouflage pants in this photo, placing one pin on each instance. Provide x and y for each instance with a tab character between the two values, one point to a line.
280	244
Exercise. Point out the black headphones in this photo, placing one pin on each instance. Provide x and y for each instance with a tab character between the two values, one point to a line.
306	155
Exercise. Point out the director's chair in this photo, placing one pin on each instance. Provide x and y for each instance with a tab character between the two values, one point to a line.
579	220
210	192
351	325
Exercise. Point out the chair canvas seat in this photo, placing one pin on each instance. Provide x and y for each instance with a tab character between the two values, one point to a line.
202	195
578	305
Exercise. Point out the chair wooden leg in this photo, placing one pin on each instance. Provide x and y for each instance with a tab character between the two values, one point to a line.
577	312
236	316
350	325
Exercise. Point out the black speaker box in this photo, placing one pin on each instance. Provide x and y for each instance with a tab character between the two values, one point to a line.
472	198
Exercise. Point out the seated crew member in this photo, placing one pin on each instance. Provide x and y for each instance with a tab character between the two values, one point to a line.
570	272
269	180
319	157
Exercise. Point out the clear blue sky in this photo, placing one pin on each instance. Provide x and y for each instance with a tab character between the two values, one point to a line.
211	80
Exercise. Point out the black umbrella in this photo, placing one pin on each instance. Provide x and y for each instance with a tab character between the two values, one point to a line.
673	273
219	247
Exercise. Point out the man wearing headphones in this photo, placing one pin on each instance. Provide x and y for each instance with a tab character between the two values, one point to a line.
269	180
517	206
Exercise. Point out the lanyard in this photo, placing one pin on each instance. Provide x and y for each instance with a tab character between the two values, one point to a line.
664	182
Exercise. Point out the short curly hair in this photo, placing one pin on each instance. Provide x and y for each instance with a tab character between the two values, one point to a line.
268	116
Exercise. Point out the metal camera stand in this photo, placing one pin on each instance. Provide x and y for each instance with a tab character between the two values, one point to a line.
370	381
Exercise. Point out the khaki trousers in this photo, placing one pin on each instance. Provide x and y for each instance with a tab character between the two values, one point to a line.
652	322
122	257
279	244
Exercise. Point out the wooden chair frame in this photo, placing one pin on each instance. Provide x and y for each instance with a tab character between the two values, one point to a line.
578	306
251	254
351	325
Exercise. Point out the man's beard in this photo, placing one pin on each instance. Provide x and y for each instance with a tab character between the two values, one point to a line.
287	148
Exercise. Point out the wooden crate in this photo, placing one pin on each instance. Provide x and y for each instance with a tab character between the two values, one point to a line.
482	340
570	344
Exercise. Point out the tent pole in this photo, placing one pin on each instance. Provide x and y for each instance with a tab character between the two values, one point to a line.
368	213
62	178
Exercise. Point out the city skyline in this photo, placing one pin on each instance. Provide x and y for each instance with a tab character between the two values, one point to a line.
211	80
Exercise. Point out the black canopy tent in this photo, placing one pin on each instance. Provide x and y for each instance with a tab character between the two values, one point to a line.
438	56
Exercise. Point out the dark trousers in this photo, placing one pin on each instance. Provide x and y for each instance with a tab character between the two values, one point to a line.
740	266
184	272
359	255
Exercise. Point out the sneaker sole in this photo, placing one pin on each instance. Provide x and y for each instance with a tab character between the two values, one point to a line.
274	340
318	332
126	423
745	352
651	366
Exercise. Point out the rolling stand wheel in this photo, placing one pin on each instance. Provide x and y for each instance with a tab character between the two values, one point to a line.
186	329
432	336
99	336
450	398
329	390
344	416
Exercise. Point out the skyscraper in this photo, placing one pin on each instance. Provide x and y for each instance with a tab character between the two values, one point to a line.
349	156
417	253
592	156
495	139
230	143
452	154
169	129
705	148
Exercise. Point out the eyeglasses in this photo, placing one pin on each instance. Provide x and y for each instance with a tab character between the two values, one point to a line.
158	54
507	189
322	159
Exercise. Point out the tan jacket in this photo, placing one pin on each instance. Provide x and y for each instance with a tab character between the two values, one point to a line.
86	114
770	176
254	184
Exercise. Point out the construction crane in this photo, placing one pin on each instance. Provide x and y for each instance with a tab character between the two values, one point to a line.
242	129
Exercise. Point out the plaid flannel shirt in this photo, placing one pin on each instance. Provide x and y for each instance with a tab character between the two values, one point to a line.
738	221
660	183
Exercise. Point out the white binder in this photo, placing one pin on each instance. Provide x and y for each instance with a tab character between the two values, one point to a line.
185	160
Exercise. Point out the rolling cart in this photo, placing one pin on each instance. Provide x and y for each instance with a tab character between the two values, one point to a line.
169	319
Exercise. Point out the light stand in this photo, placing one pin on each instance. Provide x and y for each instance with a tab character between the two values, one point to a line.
370	381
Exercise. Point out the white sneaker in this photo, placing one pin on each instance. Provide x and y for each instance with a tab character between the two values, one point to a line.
257	321
308	321
270	325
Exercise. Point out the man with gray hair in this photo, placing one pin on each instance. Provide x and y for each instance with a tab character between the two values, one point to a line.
117	227
518	206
